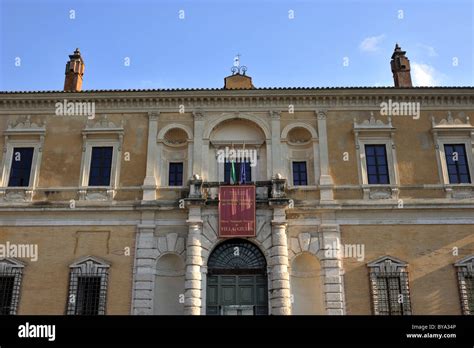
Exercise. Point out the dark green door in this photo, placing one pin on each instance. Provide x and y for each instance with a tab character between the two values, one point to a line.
237	280
224	291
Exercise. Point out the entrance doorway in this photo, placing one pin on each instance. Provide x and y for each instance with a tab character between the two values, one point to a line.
237	280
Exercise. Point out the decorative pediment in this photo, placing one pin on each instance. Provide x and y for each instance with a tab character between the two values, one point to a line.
101	126
451	123
467	262
25	126
387	264
372	123
8	263
89	264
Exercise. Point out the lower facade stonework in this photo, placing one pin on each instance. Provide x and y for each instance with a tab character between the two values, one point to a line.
173	262
313	265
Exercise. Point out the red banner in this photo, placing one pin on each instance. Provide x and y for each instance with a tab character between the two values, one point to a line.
237	211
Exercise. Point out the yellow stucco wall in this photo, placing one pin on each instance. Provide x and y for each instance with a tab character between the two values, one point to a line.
428	249
45	283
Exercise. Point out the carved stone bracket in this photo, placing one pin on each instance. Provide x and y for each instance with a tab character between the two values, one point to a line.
96	194
384	192
16	195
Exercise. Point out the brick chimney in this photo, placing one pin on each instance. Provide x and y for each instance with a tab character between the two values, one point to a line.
400	68
74	72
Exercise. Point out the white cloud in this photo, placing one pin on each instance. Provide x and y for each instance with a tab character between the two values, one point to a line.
424	75
370	44
430	50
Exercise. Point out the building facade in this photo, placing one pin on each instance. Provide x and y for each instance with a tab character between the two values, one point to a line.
364	199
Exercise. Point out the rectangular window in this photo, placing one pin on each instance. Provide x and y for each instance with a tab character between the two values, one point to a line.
88	295
21	167
456	162
377	167
7	284
389	295
243	175
101	165
176	174
300	175
88	287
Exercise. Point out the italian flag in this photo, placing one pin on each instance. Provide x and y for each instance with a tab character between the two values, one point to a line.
233	175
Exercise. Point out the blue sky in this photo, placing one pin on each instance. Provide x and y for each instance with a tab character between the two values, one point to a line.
165	51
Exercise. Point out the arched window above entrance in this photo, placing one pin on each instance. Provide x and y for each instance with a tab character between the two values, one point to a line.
236	254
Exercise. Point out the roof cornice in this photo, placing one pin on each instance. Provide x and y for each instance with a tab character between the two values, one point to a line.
350	98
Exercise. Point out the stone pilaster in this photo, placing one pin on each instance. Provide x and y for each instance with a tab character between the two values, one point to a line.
149	185
144	271
325	179
193	276
198	142
280	283
331	262
276	143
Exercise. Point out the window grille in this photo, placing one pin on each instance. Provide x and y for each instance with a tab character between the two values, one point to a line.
10	281
390	288
465	271
88	287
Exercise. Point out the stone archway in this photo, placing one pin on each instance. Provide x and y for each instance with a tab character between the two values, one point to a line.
237	279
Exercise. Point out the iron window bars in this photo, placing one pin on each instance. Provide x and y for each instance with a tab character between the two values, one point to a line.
88	287
11	272
390	287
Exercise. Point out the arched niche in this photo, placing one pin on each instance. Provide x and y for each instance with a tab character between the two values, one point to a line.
169	285
306	285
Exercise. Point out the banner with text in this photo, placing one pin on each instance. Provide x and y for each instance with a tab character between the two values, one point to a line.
237	211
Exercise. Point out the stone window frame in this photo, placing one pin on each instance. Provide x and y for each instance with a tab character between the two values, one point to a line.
381	267
465	268
161	167
22	134
315	152
88	266
454	131
103	133
375	132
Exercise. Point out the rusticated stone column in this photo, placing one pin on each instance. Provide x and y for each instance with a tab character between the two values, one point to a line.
280	285
193	276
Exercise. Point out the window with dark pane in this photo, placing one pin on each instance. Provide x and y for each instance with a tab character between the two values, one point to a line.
7	285
377	166
457	164
88	295
392	297
238	172
87	290
101	166
176	174
300	175
20	171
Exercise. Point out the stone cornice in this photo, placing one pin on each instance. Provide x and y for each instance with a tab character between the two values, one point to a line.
243	100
